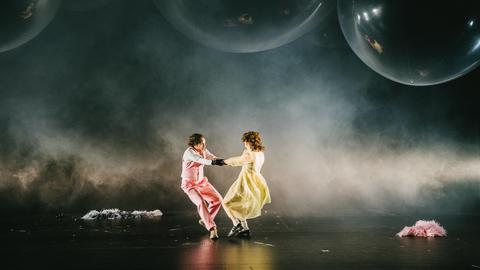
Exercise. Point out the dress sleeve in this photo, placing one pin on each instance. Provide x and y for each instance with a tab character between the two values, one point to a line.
245	158
191	155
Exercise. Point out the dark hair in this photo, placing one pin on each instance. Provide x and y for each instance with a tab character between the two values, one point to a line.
253	138
195	139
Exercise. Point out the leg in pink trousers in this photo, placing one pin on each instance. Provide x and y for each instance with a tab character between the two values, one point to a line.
213	199
208	202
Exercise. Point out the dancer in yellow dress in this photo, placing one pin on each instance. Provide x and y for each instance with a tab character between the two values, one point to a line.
249	193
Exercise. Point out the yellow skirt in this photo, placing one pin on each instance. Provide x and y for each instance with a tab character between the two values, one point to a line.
247	196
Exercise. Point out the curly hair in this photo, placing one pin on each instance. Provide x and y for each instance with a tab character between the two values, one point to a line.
195	139
254	140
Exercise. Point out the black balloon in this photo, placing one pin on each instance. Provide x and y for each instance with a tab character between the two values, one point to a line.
244	25
22	20
420	42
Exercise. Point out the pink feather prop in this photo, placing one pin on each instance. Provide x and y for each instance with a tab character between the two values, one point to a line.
423	228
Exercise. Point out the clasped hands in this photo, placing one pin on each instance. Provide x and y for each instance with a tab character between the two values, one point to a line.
218	162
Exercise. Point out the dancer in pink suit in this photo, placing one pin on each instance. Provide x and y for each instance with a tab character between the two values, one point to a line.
196	185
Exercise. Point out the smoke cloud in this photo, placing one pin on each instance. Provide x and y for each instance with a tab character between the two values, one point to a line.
96	111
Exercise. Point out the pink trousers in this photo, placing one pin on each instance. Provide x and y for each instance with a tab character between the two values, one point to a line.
205	197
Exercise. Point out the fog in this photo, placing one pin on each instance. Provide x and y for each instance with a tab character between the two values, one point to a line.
96	111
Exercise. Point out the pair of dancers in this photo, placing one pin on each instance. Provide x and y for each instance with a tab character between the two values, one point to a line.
244	199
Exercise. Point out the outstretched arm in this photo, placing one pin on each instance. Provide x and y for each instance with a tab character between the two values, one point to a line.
210	155
245	158
215	160
191	155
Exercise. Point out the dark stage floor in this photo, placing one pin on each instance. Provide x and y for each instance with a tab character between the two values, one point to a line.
176	241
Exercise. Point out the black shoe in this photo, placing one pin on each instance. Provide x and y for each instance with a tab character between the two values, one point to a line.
244	233
235	230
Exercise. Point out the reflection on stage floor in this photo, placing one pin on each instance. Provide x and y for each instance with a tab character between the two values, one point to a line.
176	241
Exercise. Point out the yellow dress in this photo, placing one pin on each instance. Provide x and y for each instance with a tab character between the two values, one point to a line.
249	193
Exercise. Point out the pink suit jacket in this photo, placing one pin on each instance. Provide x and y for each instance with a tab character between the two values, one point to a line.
193	163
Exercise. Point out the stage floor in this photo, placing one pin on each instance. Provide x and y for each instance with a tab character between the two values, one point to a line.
176	241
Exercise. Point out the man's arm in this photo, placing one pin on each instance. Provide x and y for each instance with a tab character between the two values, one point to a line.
191	155
210	155
215	160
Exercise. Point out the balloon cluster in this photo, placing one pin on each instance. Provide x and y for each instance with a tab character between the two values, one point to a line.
411	42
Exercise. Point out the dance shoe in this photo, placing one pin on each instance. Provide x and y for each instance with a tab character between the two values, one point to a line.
244	233
235	230
213	233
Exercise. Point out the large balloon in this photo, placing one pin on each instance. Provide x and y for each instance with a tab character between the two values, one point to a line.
22	20
414	42
244	25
